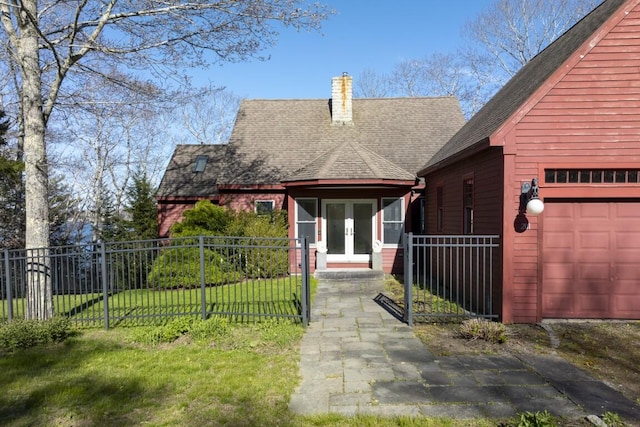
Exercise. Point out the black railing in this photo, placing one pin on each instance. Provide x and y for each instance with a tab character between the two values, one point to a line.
450	277
146	282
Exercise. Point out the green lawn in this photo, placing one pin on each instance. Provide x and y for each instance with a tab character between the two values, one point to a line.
241	302
105	378
241	375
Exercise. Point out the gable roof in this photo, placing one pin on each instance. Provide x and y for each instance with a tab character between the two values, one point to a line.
354	162
297	135
180	180
276	141
521	86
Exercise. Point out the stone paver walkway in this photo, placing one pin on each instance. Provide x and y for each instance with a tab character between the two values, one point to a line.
356	358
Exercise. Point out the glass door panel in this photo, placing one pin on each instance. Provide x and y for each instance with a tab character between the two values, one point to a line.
348	229
362	228
336	217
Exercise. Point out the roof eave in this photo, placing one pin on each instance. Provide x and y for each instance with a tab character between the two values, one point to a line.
351	182
477	147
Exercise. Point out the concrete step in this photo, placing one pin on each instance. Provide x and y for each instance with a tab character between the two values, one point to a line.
348	274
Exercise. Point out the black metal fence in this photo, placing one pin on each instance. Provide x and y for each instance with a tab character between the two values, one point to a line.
450	277
149	282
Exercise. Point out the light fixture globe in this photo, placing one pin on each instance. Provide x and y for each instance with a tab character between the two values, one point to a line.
535	207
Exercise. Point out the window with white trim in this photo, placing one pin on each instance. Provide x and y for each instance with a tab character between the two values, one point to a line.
306	225
392	221
264	207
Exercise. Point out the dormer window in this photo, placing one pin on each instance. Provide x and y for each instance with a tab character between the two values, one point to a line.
200	164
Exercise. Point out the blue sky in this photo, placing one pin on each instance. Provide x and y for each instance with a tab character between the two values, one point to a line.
364	34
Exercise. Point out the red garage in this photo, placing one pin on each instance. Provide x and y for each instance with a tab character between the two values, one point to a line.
570	119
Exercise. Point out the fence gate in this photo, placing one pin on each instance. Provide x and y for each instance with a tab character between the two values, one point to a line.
449	277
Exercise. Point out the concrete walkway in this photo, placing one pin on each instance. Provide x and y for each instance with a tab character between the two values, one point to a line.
356	358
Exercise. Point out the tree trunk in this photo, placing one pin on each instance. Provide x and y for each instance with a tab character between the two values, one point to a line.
39	295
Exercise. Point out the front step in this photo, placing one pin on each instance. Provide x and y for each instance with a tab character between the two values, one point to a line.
348	274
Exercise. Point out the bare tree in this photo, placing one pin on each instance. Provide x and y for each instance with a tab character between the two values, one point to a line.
509	33
207	115
370	84
497	44
52	41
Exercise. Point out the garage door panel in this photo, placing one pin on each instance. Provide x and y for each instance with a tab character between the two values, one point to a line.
627	239
558	305
626	305
594	271
596	305
593	240
560	271
591	260
589	211
629	273
626	210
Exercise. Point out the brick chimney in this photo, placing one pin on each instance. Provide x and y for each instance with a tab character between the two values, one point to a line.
341	100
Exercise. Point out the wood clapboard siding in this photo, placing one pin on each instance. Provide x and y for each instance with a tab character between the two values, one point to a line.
591	113
486	169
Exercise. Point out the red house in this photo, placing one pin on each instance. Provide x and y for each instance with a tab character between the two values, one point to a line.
344	169
571	120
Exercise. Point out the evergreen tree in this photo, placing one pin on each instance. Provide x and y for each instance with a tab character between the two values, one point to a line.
142	208
111	225
66	227
12	214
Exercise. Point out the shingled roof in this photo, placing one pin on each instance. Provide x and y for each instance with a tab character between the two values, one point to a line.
513	94
276	141
180	180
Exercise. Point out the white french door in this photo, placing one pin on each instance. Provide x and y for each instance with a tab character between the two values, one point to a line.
348	229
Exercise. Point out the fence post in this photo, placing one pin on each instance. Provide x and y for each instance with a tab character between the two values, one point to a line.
203	291
105	284
408	278
7	273
306	288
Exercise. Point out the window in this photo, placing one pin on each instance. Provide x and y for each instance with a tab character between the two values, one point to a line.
467	203
264	207
306	211
439	210
592	176
392	221
200	164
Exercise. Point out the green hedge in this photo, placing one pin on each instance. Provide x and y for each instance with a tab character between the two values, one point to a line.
19	334
180	268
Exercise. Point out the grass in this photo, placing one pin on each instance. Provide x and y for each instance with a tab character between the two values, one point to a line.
106	378
243	300
246	376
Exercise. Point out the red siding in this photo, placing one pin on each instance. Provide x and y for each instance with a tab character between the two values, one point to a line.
170	212
588	118
486	169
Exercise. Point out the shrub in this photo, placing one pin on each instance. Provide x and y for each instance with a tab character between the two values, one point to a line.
180	268
483	329
264	252
167	333
279	332
204	219
211	329
19	334
612	419
537	419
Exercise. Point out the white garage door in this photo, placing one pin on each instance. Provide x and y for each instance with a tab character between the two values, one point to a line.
591	260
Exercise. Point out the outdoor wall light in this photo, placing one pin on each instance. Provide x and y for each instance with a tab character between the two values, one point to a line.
529	200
